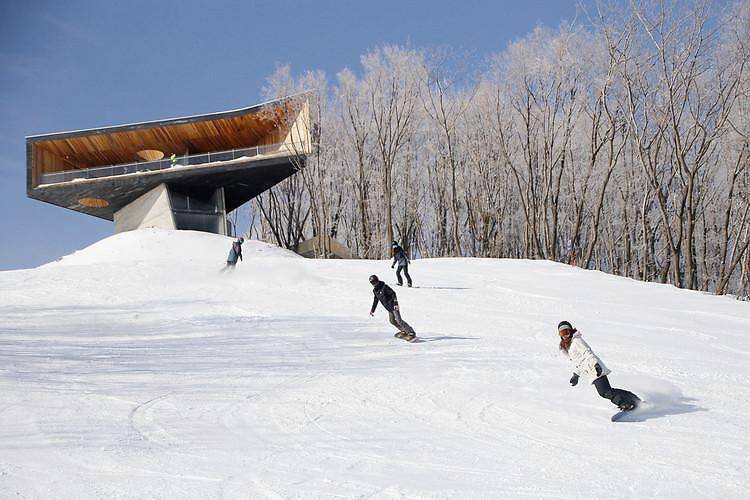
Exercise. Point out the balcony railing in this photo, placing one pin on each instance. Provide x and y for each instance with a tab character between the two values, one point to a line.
163	164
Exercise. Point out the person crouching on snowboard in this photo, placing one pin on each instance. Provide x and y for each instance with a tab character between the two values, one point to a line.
585	362
235	252
386	296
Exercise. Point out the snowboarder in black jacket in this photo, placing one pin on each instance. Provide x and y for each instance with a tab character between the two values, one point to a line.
235	252
400	258
386	296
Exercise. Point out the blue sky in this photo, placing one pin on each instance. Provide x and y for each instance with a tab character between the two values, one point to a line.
82	64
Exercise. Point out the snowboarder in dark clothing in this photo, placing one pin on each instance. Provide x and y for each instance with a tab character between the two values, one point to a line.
386	296
400	258
585	362
235	252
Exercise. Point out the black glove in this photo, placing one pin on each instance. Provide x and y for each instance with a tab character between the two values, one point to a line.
574	379
598	370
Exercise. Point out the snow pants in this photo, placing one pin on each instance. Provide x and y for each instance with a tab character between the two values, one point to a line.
406	272
395	318
617	396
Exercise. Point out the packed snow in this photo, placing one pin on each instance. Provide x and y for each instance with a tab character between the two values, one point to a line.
141	367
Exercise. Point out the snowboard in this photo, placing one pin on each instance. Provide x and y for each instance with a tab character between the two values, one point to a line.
617	416
405	336
623	414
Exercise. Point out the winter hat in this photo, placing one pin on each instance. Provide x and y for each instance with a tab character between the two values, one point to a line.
394	244
373	279
565	325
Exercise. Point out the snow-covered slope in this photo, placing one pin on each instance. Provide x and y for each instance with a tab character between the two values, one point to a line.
140	368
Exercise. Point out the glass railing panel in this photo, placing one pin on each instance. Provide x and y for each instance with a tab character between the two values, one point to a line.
150	166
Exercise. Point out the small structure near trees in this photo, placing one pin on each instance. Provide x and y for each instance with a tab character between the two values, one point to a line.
323	247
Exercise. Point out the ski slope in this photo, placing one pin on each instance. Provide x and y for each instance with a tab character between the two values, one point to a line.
140	368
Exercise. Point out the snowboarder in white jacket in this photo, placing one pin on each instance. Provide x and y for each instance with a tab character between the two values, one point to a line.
588	364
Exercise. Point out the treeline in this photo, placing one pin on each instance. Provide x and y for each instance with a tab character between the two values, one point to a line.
622	143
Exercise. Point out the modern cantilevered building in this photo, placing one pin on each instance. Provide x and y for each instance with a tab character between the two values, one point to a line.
181	173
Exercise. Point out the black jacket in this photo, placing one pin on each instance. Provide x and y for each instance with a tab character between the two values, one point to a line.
399	256
385	295
237	248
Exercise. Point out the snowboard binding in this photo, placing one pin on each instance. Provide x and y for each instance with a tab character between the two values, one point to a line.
409	337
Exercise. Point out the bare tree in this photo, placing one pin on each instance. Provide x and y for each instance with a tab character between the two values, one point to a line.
357	120
393	90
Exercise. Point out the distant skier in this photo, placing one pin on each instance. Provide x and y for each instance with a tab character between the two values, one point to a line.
386	296
235	252
572	246
585	362
400	258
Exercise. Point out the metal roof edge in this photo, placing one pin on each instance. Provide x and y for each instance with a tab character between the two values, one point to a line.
158	123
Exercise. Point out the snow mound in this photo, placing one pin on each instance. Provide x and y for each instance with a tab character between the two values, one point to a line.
143	367
164	245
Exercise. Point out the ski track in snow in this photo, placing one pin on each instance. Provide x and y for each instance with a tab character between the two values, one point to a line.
138	368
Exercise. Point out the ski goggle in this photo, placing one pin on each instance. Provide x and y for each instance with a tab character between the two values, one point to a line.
565	331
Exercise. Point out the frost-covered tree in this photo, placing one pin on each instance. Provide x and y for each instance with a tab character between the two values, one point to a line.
621	143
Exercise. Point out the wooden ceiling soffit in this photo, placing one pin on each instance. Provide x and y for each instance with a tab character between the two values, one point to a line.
193	135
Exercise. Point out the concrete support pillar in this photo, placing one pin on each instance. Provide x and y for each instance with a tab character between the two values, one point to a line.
151	209
221	208
167	207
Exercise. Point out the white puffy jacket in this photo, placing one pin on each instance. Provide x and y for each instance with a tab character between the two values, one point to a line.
584	360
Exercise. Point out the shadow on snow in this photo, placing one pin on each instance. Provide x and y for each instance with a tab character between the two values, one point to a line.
443	337
660	404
